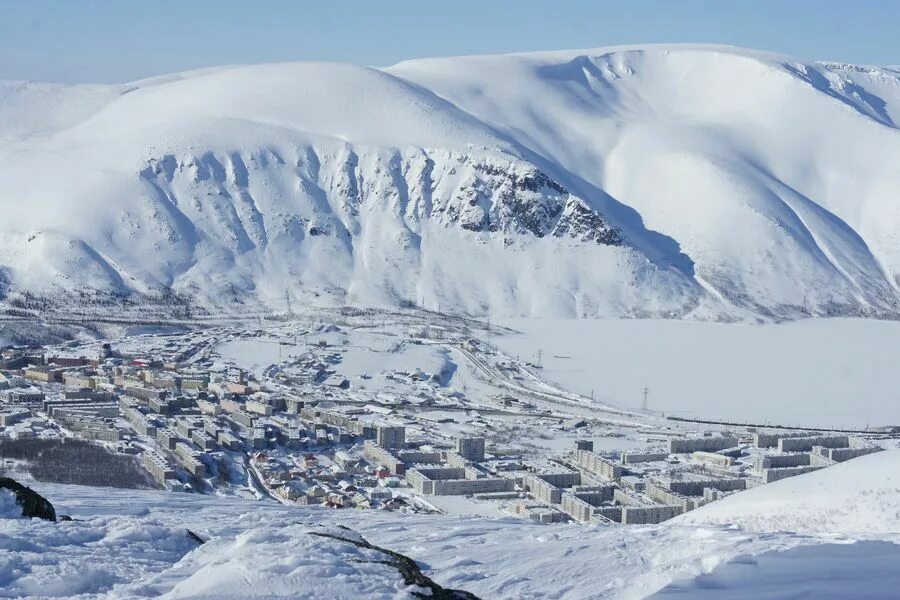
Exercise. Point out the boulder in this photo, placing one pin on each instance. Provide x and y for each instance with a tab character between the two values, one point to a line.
32	503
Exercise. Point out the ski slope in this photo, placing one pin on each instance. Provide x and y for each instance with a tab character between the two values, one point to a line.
671	181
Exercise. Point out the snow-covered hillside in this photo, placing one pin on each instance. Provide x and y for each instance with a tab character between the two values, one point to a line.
859	497
133	544
662	180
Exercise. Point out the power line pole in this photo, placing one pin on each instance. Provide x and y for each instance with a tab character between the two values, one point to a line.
539	355
644	403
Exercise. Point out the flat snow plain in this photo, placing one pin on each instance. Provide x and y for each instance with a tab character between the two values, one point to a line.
838	373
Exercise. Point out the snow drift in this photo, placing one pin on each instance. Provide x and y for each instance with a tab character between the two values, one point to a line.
660	180
858	497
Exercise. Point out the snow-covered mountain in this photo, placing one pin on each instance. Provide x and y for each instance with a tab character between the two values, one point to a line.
693	181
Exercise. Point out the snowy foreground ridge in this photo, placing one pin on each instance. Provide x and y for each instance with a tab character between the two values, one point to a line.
694	181
129	544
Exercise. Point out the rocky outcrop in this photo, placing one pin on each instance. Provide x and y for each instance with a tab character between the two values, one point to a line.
580	222
32	503
513	197
407	567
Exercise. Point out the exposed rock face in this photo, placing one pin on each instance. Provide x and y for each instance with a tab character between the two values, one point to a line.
579	221
515	198
407	567
32	503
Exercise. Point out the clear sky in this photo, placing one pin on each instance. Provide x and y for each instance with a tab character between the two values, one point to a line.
122	40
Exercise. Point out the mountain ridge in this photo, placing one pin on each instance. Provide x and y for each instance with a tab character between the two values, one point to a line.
690	181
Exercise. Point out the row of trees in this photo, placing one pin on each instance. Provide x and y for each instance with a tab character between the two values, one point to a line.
77	462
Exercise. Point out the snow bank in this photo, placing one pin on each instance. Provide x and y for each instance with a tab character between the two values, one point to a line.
286	562
858	497
9	509
827	572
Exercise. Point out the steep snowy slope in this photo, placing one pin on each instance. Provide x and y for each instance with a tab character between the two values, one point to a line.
778	178
665	181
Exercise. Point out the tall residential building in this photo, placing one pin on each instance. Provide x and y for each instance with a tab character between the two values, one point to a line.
391	436
471	448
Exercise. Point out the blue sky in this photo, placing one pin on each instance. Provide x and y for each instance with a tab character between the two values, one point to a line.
122	40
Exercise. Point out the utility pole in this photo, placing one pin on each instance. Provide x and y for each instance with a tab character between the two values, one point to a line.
644	403
539	355
287	301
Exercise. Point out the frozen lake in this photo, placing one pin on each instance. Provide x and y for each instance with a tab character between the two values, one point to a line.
821	373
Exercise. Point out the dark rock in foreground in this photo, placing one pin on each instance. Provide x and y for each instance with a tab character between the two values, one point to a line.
408	568
32	503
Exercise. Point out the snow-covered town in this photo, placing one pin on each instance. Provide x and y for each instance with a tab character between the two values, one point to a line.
449	300
399	410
